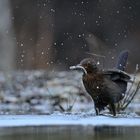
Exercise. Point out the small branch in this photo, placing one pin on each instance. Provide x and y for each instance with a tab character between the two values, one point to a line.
97	55
131	97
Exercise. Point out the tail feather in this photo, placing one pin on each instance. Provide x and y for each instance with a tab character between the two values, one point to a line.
122	60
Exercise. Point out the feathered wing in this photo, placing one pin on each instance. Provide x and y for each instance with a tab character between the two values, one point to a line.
118	75
122	60
115	74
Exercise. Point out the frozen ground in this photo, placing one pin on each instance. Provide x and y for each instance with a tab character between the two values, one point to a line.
42	92
67	119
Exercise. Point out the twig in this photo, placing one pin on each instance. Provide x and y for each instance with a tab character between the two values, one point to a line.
71	106
97	55
131	97
127	97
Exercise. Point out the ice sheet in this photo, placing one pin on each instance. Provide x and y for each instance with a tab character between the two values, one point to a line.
66	119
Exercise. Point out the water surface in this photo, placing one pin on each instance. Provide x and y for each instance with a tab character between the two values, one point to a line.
70	133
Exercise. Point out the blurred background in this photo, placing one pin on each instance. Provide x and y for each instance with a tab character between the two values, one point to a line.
40	39
46	34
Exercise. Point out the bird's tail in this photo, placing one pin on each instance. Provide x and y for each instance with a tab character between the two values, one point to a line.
122	60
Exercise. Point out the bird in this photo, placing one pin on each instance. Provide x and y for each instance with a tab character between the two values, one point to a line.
106	87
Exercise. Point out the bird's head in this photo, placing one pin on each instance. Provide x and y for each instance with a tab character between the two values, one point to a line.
87	65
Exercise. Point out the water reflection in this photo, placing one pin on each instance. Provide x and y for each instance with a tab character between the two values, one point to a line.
70	133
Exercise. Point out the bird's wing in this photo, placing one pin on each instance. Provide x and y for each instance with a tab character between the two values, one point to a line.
122	60
115	74
113	91
119	77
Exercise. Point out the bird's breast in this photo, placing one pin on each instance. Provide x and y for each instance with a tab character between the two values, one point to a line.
93	84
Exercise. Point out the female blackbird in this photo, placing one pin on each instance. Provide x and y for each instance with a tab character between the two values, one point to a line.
106	87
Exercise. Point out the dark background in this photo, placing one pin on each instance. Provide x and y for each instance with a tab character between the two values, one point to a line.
50	34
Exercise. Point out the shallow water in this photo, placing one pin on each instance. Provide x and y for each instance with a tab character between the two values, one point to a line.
70	133
69	127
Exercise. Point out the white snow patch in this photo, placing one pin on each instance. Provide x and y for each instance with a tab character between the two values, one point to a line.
65	119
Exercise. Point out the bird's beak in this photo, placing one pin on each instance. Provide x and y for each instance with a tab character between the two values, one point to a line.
78	67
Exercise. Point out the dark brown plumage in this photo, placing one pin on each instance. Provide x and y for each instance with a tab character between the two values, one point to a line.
105	87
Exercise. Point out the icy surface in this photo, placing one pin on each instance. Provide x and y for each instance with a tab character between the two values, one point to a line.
67	119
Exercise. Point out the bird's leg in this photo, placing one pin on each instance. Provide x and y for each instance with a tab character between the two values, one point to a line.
97	111
112	109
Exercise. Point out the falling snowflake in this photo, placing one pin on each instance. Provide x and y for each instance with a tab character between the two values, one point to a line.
98	63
